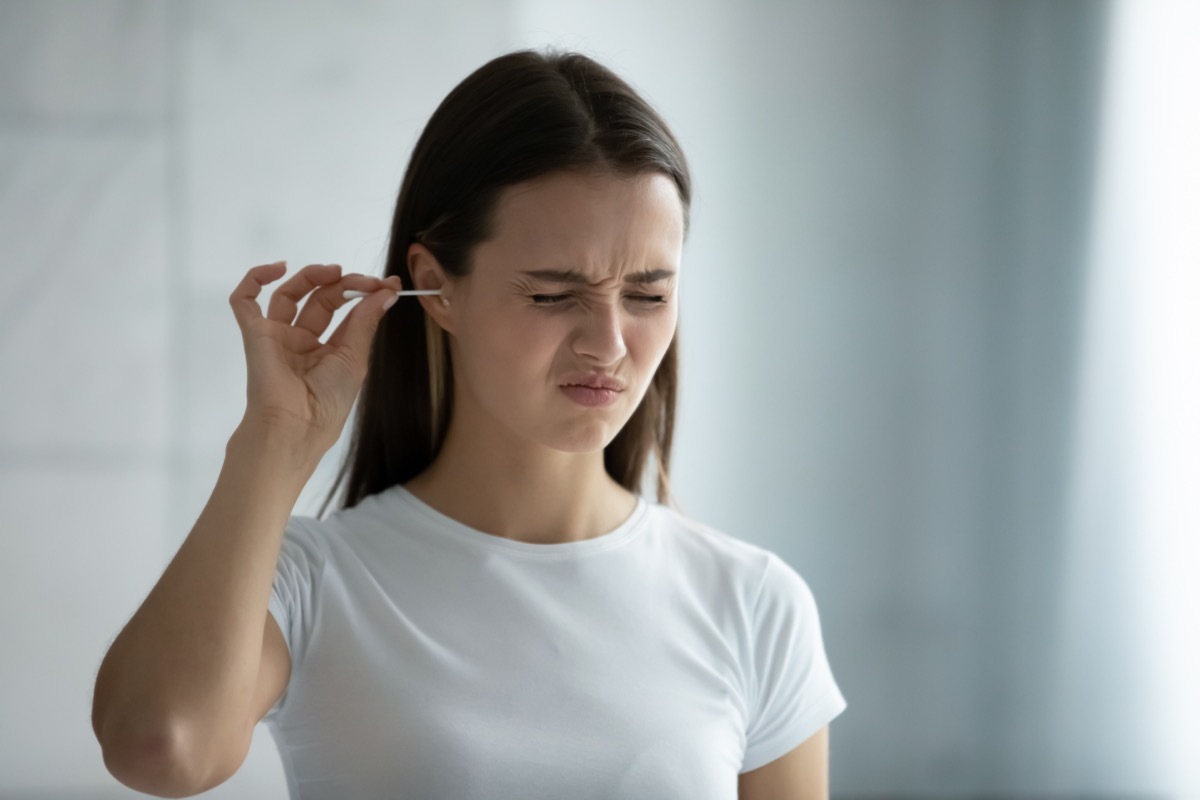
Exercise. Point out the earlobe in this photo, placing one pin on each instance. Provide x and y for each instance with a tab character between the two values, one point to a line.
437	310
438	316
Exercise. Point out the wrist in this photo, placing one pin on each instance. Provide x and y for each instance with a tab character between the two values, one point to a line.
288	447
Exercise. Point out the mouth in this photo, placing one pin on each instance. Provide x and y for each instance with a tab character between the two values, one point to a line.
594	381
591	396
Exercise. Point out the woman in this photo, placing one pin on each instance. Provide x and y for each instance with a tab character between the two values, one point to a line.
495	610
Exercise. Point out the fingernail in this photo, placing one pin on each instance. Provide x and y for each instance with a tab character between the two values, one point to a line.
391	301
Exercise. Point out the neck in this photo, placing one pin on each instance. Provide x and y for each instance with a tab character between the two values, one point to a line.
517	489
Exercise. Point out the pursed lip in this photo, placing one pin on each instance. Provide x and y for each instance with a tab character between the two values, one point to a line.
594	381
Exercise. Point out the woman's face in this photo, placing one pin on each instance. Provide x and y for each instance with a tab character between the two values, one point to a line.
517	338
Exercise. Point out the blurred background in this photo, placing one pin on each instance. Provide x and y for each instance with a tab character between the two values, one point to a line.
940	333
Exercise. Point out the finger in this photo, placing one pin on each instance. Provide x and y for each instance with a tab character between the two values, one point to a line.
338	337
286	299
358	328
319	308
244	298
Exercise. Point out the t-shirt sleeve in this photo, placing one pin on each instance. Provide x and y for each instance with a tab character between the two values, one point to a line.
293	600
792	692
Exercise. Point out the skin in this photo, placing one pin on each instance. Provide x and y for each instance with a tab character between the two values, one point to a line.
802	774
521	459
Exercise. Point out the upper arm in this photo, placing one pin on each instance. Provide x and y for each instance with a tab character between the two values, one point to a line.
274	670
801	774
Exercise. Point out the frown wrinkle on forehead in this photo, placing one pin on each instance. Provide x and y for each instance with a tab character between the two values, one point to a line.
576	278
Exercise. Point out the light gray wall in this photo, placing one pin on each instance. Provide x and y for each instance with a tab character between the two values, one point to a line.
880	304
909	232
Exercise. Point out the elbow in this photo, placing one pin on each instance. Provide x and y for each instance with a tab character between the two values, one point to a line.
148	760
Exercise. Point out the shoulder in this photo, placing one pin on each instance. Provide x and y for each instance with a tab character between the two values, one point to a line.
343	530
701	545
766	577
304	538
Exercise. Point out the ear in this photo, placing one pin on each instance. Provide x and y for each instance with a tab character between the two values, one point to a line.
427	273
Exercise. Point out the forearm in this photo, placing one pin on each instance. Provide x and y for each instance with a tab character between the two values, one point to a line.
180	676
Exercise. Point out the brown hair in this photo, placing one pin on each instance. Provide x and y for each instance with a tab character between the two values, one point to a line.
519	116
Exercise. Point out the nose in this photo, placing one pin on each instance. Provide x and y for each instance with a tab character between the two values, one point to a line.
600	336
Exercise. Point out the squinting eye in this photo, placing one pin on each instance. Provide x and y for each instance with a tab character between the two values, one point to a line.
553	299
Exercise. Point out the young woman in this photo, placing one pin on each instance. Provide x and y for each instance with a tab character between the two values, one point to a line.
495	611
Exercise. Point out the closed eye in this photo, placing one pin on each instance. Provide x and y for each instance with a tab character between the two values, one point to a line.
555	299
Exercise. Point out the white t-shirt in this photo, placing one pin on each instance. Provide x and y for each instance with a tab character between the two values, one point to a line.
433	660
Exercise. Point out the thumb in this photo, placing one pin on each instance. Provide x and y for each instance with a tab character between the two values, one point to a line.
363	321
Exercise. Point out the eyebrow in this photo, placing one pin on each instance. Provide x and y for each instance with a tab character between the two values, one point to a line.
574	276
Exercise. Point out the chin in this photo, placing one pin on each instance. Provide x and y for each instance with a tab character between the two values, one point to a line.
585	438
593	445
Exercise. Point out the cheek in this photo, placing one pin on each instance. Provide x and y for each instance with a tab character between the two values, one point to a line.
524	347
653	333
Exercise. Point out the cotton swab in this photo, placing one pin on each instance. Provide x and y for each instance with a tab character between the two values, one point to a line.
350	294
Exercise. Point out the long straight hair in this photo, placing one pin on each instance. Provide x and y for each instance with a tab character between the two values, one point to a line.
520	116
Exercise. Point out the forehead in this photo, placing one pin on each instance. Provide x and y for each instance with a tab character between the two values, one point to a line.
598	224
